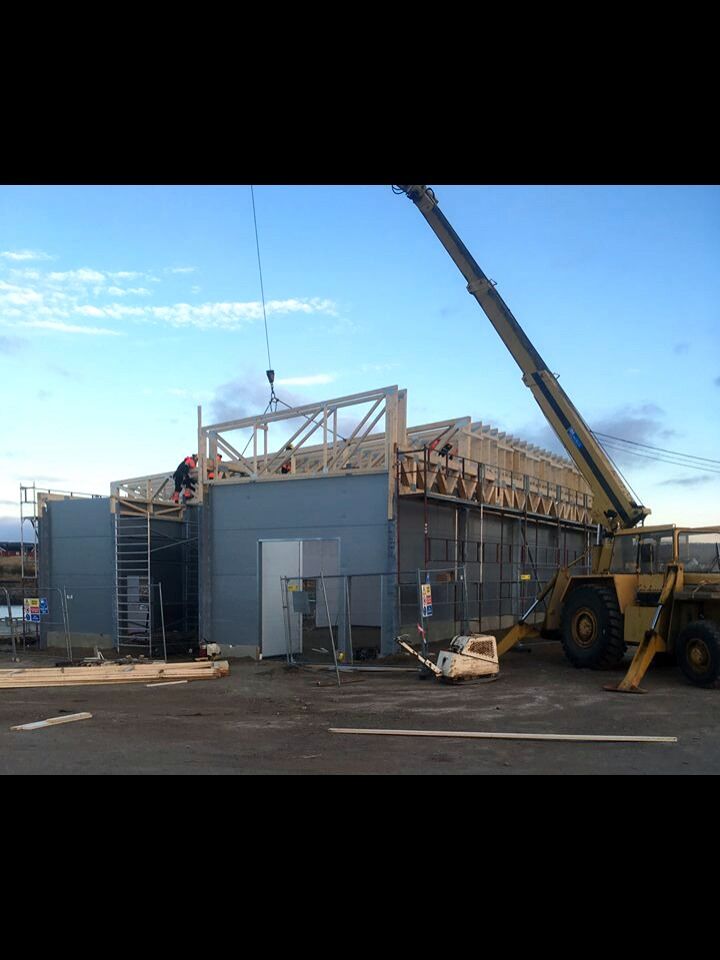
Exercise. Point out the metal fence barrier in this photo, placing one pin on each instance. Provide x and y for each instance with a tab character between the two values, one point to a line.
334	618
81	619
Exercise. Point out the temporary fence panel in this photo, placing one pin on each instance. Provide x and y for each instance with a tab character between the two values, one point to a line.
344	611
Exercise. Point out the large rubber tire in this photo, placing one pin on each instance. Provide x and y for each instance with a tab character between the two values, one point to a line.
592	628
697	649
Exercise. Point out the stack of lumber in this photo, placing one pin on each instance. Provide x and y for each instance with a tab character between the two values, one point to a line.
112	673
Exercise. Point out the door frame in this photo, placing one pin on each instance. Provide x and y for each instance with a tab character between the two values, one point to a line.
260	542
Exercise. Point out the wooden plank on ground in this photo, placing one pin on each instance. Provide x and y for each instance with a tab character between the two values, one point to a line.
504	736
112	673
52	721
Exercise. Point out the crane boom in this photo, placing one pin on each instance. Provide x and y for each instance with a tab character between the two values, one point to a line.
613	505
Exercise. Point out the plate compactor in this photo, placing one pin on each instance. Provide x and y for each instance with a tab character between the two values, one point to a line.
469	658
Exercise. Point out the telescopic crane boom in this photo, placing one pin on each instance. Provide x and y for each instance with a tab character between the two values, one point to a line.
613	505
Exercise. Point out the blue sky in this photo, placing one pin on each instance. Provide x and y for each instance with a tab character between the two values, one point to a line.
122	308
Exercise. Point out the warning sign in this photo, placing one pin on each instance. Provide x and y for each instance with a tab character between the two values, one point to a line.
525	576
31	610
427	608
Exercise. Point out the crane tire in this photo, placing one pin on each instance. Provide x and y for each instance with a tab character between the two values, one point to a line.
592	628
697	649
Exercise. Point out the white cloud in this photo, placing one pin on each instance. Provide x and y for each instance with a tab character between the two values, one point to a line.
128	291
308	381
12	293
83	275
26	274
229	315
70	328
181	269
25	255
64	296
306	305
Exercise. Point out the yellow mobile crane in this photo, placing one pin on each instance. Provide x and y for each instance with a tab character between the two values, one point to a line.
657	588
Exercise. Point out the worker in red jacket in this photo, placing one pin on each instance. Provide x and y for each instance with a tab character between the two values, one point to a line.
218	466
183	480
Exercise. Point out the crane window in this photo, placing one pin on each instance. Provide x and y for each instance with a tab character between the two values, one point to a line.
643	553
656	551
625	555
700	552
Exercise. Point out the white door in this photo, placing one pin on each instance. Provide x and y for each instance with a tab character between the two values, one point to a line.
295	558
279	558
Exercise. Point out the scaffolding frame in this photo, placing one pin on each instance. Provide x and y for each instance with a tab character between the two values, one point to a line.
136	544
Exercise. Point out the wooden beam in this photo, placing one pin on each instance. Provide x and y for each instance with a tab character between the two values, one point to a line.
337	461
581	738
309	410
52	721
111	673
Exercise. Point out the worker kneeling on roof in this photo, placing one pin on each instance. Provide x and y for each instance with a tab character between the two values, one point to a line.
212	467
183	480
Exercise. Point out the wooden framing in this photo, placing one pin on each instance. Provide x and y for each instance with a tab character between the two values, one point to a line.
453	458
362	450
426	472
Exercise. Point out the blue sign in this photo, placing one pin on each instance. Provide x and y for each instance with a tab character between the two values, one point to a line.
34	617
43	605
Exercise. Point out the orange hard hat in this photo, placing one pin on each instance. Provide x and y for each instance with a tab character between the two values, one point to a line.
189	461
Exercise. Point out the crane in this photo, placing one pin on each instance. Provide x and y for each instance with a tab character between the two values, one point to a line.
657	588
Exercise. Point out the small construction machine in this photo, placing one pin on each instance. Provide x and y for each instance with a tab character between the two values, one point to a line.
655	588
469	658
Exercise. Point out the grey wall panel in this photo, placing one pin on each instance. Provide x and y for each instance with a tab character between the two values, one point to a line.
79	556
353	509
235	610
506	556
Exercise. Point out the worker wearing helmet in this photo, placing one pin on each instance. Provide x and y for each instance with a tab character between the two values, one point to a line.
213	467
183	480
287	466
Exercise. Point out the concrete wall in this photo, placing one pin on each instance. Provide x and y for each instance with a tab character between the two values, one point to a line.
352	508
77	553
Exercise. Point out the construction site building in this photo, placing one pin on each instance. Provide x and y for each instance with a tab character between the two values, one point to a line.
335	513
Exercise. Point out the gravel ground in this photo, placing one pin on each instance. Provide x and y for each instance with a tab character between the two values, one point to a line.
266	718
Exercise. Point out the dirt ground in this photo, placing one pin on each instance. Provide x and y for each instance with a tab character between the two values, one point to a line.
267	718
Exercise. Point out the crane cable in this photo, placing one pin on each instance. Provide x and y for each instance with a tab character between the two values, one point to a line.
274	400
269	373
